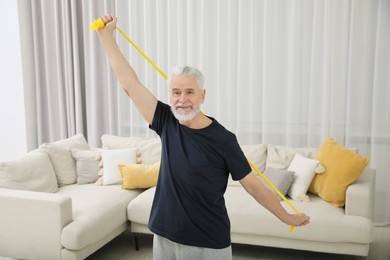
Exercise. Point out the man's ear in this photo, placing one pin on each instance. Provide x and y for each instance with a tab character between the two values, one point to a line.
203	95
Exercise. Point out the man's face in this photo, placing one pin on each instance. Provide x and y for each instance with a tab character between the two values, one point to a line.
185	97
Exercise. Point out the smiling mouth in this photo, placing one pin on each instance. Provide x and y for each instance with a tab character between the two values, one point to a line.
183	107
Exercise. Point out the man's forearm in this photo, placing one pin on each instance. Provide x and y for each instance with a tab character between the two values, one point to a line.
269	201
264	197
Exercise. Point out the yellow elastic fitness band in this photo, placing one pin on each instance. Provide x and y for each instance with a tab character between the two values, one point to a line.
97	24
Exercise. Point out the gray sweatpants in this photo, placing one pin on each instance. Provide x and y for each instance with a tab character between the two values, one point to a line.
164	249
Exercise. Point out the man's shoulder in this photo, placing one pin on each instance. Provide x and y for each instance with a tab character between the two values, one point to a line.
162	105
222	136
222	130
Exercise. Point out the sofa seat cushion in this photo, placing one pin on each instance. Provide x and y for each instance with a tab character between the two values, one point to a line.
97	210
139	209
328	223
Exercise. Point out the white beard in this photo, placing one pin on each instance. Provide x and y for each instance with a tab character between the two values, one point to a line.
185	117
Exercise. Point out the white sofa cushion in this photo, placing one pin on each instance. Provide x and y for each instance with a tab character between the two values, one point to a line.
328	223
33	172
61	157
149	147
280	157
256	153
97	210
139	209
247	216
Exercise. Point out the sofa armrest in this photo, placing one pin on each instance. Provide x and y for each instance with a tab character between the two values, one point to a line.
31	223
360	195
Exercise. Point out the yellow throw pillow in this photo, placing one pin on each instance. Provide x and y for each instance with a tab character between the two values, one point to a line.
342	168
139	176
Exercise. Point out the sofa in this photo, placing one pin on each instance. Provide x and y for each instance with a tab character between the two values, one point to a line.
65	200
52	209
339	228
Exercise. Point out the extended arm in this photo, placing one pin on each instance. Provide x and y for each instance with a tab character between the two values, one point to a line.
143	99
268	200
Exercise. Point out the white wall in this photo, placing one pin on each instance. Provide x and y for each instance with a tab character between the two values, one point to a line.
12	115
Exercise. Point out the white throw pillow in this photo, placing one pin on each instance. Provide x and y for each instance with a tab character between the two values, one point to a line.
61	157
33	172
87	166
149	147
111	159
304	169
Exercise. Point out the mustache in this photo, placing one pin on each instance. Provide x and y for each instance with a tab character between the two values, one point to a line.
183	105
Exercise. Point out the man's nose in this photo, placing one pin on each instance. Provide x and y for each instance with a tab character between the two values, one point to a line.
182	97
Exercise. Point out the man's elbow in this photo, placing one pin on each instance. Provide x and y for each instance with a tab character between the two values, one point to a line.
250	184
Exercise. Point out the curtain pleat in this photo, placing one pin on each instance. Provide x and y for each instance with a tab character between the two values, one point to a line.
287	73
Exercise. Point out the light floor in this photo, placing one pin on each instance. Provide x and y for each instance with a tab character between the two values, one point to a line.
122	248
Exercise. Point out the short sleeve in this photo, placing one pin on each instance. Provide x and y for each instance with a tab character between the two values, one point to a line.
235	159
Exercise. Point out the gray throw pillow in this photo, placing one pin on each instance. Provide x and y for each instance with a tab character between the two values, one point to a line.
281	179
87	166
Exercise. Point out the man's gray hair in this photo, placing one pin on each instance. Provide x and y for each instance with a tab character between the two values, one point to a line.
187	71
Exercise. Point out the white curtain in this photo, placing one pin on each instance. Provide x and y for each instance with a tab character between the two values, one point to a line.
282	72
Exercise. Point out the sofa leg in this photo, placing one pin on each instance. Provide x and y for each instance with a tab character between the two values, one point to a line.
136	241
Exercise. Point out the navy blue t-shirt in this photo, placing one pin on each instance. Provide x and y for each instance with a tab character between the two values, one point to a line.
188	206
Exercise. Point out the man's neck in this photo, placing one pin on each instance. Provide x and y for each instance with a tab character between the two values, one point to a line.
198	122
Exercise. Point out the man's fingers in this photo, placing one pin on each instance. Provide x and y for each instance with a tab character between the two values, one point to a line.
107	18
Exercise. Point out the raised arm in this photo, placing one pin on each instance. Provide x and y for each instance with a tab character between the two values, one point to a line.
143	99
268	200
